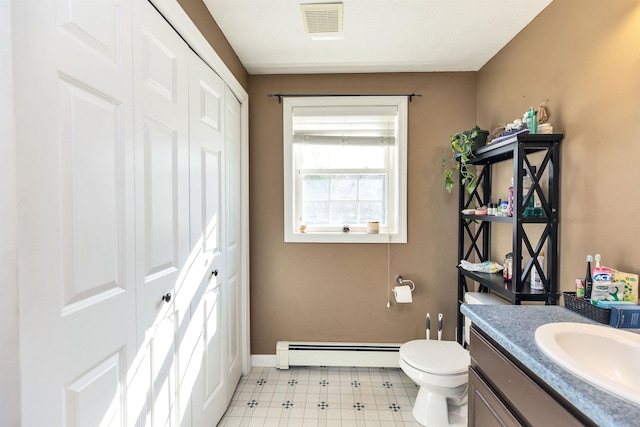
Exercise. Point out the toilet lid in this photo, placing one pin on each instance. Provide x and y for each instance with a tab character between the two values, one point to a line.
436	357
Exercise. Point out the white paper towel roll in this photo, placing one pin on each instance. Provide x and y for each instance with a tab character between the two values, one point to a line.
402	294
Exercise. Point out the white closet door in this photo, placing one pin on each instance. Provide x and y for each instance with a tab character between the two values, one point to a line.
162	210
206	368
233	292
73	105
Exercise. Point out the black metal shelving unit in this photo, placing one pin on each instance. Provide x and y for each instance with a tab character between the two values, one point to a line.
474	231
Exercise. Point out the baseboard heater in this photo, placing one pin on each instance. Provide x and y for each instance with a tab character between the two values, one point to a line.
290	353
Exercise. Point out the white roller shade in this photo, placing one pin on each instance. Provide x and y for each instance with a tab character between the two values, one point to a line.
350	125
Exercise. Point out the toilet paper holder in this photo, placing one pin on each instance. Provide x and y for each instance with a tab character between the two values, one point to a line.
402	281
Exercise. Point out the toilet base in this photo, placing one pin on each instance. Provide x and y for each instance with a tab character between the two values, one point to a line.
433	410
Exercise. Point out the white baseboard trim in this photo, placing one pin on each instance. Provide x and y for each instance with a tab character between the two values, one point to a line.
263	360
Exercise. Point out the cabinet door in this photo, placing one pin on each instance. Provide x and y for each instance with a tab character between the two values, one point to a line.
74	160
523	395
485	408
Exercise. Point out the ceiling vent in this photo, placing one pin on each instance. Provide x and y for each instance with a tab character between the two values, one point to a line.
322	18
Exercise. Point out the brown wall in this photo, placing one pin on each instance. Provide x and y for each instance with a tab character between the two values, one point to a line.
201	16
583	59
338	292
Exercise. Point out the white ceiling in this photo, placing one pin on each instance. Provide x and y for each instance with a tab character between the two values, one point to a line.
379	35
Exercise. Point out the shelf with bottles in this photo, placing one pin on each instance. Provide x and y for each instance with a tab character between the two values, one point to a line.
505	150
507	288
530	235
519	149
506	219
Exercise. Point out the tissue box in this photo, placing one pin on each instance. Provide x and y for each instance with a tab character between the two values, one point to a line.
630	283
625	316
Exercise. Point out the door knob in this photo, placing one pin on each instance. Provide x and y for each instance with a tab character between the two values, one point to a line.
215	272
167	297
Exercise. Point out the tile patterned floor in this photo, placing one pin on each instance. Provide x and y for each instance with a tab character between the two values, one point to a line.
322	396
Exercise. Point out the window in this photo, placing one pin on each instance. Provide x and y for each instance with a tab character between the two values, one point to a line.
345	166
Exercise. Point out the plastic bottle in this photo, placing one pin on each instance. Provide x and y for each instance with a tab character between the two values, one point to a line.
526	185
580	288
507	270
536	281
532	121
602	284
588	280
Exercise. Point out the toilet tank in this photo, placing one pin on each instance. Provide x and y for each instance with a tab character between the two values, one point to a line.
479	298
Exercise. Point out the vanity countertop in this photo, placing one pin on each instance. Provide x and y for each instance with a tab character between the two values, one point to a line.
513	328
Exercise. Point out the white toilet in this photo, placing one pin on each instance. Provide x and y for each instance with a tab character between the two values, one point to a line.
441	369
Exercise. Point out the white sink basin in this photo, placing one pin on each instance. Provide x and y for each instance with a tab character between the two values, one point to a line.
603	356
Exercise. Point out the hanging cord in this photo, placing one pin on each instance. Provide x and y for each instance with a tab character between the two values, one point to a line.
386	213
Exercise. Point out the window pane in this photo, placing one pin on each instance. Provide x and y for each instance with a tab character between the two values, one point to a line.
344	212
372	187
315	213
315	187
344	187
340	199
372	211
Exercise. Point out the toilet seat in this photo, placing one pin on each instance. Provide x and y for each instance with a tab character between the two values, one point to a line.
436	357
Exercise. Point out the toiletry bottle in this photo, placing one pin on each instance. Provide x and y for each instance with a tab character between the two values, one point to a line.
507	268
532	121
504	207
526	185
536	200
536	281
588	281
580	288
603	288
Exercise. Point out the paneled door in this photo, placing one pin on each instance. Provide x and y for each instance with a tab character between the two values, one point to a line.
130	261
232	293
160	72
75	160
208	218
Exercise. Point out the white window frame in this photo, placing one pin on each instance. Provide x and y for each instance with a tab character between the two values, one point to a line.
396	209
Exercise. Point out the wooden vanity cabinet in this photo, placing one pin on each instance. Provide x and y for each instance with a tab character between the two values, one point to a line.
502	394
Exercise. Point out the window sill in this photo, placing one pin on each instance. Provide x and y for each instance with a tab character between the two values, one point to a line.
339	237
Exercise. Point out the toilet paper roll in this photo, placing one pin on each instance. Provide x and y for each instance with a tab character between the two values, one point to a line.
402	294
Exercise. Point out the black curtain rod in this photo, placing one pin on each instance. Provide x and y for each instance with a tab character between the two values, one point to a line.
304	95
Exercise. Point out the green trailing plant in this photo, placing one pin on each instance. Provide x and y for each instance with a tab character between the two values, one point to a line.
462	144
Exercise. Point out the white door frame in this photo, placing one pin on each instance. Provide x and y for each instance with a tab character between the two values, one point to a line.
9	324
181	22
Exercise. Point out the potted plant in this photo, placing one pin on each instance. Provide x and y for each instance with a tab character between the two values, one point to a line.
463	144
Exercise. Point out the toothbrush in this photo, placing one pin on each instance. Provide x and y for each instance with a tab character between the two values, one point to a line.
428	327
597	260
439	326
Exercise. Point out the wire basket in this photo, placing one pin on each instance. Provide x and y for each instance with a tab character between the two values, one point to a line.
585	308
